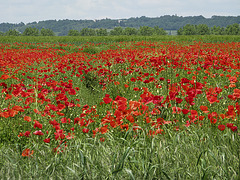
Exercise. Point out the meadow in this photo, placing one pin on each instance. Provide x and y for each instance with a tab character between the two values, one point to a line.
120	107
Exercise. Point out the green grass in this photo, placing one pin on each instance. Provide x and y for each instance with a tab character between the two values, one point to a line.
110	39
193	154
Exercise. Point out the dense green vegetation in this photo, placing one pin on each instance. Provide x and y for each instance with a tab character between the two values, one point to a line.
167	22
201	29
111	39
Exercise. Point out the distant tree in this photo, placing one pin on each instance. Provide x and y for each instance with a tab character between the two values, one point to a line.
73	32
87	32
46	32
159	31
202	29
31	32
216	30
233	29
130	31
146	31
189	29
180	31
12	32
116	31
1	33
101	32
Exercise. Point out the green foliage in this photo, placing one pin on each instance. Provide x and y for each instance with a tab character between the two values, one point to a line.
29	31
196	154
46	32
167	22
78	40
146	31
216	30
117	31
189	29
130	31
159	31
73	32
101	32
233	29
12	32
203	29
87	32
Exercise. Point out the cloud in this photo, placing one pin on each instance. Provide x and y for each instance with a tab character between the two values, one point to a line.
36	10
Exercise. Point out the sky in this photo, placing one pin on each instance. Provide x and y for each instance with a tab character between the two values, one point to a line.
26	11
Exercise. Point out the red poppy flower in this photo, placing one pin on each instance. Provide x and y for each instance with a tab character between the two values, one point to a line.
39	133
136	89
27	118
71	92
179	100
18	108
212	99
229	125
176	110
4	76
12	112
221	127
194	113
60	107
27	152
130	118
126	85
85	130
107	99
204	109
27	133
59	134
104	129
185	111
213	117
133	79
37	124
8	97
234	128
102	139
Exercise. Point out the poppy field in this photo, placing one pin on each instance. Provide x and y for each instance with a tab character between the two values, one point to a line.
120	110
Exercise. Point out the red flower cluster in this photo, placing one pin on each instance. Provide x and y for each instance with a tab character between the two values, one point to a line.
142	88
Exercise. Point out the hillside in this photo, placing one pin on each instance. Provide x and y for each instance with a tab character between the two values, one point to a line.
167	22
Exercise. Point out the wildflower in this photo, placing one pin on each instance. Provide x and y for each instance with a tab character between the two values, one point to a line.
4	76
185	111
27	152
107	99
27	133
39	133
204	109
234	128
37	124
221	127
85	130
47	140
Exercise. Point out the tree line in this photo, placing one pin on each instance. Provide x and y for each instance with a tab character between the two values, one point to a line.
117	31
203	29
144	31
167	22
189	29
29	32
